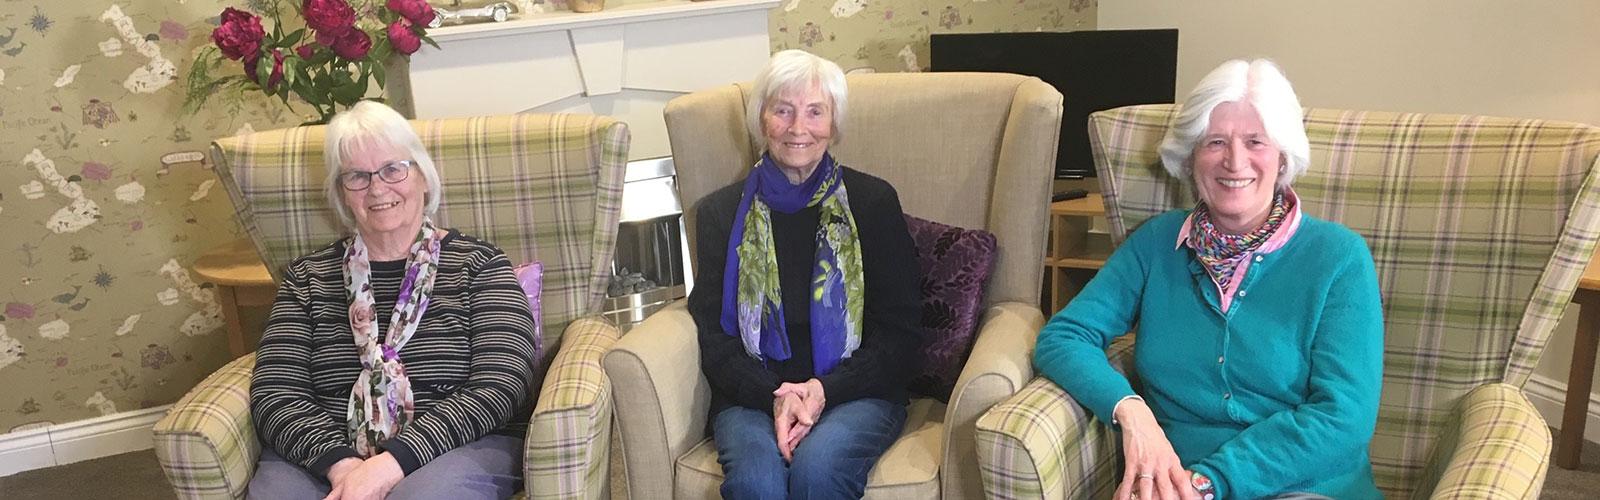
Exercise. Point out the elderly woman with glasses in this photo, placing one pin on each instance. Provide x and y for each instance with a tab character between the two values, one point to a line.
808	303
396	361
1260	327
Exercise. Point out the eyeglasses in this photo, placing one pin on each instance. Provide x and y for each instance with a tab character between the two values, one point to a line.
392	172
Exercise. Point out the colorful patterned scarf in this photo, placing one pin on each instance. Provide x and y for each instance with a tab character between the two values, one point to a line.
1221	253
752	300
381	401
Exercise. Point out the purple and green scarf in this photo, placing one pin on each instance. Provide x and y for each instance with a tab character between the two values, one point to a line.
752	299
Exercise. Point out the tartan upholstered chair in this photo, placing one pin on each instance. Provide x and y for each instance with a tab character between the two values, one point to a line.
966	149
540	187
1479	227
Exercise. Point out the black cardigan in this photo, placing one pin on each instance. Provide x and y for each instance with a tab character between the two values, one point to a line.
891	339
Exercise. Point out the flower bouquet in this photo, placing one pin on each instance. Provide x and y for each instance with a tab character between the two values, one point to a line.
329	63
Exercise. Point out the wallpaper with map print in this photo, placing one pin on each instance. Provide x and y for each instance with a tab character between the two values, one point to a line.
100	310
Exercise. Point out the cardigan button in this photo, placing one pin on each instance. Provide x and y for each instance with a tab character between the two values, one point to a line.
1241	293
1227	395
1219	359
1258	258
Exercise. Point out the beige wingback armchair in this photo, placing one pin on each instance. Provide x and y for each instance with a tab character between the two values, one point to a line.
971	150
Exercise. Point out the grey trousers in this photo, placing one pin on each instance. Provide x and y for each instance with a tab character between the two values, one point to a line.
487	469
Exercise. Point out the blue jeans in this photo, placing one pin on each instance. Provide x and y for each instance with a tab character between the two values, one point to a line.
831	463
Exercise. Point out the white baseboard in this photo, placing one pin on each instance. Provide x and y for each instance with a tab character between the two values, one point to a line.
1549	396
77	441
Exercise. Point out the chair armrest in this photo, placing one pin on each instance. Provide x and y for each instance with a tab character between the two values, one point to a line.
207	443
1496	446
1000	363
1040	443
662	398
569	434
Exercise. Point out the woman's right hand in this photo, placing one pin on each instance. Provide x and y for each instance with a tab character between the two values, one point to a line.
340	469
789	417
1151	469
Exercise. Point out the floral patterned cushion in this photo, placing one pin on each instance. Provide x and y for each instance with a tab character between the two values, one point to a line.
956	264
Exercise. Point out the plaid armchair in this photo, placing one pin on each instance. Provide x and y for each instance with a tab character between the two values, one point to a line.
1480	228
540	187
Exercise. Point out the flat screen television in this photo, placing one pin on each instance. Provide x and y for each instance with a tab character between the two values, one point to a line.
1094	70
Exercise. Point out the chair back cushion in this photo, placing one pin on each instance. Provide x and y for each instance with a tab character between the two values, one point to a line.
541	187
1479	227
974	150
955	264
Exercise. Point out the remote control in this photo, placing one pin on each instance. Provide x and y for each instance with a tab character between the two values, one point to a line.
1070	194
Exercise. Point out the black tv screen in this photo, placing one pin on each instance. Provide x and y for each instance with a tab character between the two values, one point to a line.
1094	70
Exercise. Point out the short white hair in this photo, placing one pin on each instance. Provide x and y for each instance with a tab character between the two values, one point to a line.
372	121
1258	81
793	69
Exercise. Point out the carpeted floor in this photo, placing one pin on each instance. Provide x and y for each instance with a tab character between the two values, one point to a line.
136	476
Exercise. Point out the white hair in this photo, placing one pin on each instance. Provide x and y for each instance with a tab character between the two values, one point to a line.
793	69
1258	81
372	121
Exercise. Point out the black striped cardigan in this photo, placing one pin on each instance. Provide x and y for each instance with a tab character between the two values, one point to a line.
470	362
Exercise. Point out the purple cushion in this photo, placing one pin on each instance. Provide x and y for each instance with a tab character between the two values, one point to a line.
531	277
956	264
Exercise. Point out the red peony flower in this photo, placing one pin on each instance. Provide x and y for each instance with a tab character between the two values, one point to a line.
416	11
240	34
401	37
353	44
305	51
330	16
277	70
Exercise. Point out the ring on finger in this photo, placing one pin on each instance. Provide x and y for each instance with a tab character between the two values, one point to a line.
1146	476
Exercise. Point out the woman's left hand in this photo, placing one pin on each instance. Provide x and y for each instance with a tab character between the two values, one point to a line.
372	480
810	393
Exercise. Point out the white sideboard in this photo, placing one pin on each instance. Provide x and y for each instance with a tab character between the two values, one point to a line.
625	62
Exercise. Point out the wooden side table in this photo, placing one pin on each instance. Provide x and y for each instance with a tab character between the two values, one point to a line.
1075	253
241	280
1580	376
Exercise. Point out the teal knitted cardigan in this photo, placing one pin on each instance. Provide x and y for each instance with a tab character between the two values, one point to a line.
1279	394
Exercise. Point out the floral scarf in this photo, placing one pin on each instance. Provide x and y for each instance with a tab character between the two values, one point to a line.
381	401
752	301
1221	253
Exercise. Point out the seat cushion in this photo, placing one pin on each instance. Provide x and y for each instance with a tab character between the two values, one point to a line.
909	469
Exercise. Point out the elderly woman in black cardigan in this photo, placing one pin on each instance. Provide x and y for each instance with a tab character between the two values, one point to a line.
808	303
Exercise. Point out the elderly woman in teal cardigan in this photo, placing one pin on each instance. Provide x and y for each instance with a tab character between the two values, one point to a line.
1260	328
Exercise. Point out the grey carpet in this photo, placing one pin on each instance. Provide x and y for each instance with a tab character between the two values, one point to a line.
136	476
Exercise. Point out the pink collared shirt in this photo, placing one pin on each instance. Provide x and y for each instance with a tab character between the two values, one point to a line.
1274	242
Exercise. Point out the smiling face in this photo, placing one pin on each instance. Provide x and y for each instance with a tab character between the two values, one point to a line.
798	124
384	208
1236	168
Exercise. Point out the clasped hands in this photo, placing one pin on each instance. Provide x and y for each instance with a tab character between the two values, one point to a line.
795	410
370	479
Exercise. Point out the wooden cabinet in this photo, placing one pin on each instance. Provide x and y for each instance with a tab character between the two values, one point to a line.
1077	248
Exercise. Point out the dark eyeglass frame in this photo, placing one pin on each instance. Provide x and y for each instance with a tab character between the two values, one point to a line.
393	172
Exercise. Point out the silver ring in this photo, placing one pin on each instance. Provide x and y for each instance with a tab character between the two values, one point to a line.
1146	476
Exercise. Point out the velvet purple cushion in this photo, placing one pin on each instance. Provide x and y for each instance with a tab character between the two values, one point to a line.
531	277
956	264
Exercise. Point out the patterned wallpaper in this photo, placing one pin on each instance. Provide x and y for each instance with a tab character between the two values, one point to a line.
892	35
100	311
